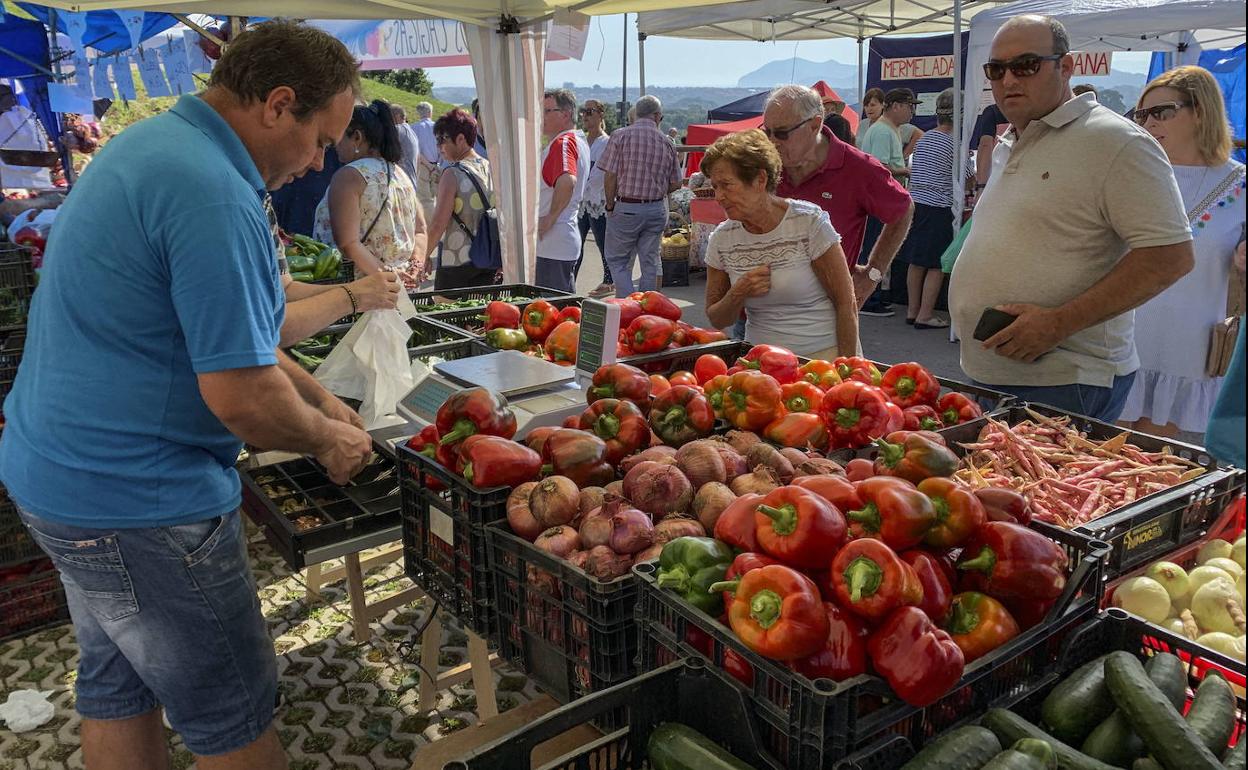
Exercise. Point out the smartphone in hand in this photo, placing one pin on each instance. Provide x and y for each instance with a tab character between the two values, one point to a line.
991	322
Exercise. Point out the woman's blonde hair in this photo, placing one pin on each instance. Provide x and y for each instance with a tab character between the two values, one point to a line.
750	153
1213	131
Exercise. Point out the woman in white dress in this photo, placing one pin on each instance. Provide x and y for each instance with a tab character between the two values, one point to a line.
1183	110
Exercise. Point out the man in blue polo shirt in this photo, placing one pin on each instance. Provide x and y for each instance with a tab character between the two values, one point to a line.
152	354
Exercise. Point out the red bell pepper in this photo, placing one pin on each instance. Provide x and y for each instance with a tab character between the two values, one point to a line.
922	417
918	660
871	580
630	309
857	368
681	414
979	624
619	423
620	381
579	455
914	456
700	336
800	430
737	667
956	409
910	384
540	319
751	400
801	396
650	333
425	442
799	527
844	653
743	563
471	411
714	390
1008	561
708	367
537	438
570	313
572	421
959	514
637	295
656	303
680	337
659	385
561	344
859	469
684	378
819	373
776	612
780	363
1029	613
1003	504
491	461
856	414
894	510
937	587
839	491
736	525
501	315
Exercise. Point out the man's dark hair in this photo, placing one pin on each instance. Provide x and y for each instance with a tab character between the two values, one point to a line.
564	99
839	127
375	122
315	65
1061	38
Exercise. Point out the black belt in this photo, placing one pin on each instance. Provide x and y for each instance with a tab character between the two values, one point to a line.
622	199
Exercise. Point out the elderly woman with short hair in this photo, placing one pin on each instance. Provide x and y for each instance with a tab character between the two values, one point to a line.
778	260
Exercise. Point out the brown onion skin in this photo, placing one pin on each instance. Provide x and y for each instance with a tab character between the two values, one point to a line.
678	525
650	554
768	455
701	462
519	516
615	488
741	440
631	531
560	541
734	461
795	456
658	489
654	454
604	564
591	498
578	558
710	502
555	501
818	466
595	529
760	481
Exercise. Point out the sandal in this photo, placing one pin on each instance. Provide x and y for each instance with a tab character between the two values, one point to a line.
932	323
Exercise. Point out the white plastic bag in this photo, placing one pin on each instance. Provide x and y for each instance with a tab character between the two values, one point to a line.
371	363
26	709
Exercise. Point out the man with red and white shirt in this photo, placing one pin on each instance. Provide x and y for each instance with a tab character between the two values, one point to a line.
564	172
640	168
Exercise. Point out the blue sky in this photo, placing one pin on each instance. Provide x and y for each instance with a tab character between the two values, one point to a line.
676	62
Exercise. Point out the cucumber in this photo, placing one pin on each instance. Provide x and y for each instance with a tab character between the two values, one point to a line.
1079	703
1146	763
1010	727
1236	756
1171	740
1012	759
966	748
1039	749
1113	741
1212	714
679	747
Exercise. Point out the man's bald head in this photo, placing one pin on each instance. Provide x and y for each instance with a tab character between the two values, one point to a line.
1034	23
1033	52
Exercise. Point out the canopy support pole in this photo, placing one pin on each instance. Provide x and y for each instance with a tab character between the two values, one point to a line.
862	83
959	153
641	60
624	85
203	32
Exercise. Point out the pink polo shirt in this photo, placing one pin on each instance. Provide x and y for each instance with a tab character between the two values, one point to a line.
851	186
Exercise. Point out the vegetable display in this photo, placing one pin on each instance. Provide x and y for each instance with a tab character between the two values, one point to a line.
310	260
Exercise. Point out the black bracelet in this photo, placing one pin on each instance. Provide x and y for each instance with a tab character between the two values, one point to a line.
354	307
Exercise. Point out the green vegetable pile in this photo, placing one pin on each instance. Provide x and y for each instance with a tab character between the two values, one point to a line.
311	260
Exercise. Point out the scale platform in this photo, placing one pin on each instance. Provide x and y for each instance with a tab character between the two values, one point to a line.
508	372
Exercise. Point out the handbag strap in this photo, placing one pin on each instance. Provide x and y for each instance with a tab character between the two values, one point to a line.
384	203
1217	192
485	199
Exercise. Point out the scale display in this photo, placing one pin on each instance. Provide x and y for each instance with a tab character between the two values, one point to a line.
424	400
600	327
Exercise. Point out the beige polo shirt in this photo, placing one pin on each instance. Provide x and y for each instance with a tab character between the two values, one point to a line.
1077	190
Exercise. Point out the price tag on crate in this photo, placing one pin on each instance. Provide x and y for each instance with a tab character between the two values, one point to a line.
442	525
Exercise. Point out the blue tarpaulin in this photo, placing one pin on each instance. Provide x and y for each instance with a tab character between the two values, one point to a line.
1228	68
105	30
29	41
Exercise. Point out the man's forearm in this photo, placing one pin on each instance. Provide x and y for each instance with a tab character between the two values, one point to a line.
311	391
609	183
1138	277
305	317
274	415
889	242
297	290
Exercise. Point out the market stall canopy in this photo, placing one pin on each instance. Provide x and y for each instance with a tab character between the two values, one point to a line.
105	32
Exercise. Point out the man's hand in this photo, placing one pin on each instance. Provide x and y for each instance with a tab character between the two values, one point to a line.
346	451
543	225
379	291
1036	331
863	285
755	283
332	407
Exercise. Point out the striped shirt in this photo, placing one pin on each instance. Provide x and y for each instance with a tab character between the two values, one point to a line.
931	170
643	160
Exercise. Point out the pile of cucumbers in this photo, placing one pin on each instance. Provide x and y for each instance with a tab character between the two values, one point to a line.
1118	712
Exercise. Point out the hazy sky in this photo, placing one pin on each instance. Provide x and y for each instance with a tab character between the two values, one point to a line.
676	62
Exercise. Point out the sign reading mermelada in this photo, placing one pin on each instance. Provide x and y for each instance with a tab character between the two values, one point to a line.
1087	64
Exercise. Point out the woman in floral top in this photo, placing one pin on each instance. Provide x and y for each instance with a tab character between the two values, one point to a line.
370	211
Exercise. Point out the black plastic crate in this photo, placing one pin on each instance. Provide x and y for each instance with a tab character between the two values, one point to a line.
572	633
444	549
1110	631
31	597
16	544
11	348
687	692
17	285
277	496
471	321
425	334
807	723
675	272
520	293
1153	525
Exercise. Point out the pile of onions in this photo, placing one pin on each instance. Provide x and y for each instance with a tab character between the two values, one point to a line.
701	463
770	457
658	489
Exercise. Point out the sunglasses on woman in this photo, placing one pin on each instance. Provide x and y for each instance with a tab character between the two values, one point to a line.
1020	66
1163	112
783	133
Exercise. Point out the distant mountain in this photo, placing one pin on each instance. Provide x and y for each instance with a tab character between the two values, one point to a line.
835	73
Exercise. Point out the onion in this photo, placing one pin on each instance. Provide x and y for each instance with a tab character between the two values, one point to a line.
555	501
595	529
591	499
559	541
615	488
741	440
1171	576
710	501
677	525
578	558
658	489
604	564
701	463
519	516
760	481
818	466
734	461
768	455
543	581
650	554
1144	597
795	456
657	454
631	531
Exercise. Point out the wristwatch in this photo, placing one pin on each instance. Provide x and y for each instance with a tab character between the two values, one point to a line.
875	275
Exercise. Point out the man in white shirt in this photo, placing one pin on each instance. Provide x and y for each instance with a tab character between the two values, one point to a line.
20	130
561	185
426	160
407	140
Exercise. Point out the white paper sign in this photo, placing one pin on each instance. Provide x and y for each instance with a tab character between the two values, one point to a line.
102	87
176	67
200	63
124	77
134	25
63	97
151	74
75	25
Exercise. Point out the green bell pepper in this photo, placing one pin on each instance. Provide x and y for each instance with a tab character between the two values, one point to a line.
299	263
507	339
690	566
302	275
326	263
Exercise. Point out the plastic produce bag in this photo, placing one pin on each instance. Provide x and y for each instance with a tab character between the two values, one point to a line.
26	709
371	363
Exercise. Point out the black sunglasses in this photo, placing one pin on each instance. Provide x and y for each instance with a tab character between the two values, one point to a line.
1164	111
1020	66
783	133
590	110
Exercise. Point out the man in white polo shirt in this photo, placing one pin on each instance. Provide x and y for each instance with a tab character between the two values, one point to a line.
1083	223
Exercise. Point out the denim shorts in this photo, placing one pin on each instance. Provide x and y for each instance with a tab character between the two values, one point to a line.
168	616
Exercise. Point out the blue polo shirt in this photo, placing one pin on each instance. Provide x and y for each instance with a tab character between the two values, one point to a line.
160	267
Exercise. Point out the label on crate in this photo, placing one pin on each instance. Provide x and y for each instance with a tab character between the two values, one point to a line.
1146	537
442	525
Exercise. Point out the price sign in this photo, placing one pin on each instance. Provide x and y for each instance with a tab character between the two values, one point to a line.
124	77
600	328
102	85
151	74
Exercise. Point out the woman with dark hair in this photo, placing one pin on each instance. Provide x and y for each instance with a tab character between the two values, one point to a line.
370	211
460	205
